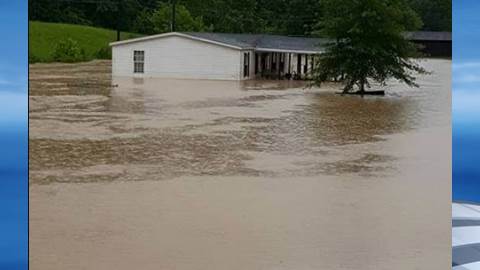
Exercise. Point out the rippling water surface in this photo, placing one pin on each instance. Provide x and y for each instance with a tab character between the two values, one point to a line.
198	174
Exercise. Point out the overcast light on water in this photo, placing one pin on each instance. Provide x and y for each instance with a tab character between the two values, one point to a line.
466	100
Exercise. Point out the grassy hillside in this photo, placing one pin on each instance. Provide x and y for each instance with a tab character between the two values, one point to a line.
43	38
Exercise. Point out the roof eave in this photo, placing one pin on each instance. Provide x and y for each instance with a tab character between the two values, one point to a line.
289	51
135	40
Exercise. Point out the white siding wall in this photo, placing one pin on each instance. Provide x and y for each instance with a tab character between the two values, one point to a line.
179	57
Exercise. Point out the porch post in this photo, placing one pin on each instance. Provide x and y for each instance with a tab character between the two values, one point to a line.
299	64
313	62
263	61
289	62
278	65
271	62
256	63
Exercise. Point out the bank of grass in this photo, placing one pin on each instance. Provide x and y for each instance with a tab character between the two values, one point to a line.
92	41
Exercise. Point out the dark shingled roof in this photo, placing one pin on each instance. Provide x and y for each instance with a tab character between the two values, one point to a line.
263	41
275	42
266	42
429	36
291	43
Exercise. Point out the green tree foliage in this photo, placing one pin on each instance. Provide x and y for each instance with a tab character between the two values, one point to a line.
234	16
292	17
161	19
436	14
68	51
369	43
143	23
287	17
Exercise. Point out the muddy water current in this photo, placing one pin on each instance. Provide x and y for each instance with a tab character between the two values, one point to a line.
196	174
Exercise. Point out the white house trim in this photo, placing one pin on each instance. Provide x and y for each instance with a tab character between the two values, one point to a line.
178	35
287	51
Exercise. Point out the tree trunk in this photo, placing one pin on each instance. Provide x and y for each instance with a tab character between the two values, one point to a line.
348	86
362	86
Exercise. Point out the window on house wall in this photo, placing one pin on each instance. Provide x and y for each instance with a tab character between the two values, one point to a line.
246	64
138	61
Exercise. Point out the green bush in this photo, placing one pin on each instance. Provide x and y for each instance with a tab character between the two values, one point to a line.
69	51
104	53
32	58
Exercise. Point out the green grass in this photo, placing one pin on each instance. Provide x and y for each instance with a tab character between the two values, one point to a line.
43	37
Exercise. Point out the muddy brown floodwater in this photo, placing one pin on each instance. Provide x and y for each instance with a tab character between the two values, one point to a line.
198	174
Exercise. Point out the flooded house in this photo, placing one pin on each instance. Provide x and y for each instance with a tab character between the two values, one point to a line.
221	56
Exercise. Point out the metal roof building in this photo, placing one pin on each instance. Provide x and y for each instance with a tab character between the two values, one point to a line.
429	35
437	44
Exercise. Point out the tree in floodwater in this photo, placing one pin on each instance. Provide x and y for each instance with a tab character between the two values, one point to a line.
368	43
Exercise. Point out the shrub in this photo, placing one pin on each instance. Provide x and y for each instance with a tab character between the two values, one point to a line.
104	53
32	58
69	51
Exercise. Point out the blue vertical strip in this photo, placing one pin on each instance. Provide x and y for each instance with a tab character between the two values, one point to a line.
466	100
14	135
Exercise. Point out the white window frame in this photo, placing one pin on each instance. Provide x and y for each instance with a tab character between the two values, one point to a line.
138	61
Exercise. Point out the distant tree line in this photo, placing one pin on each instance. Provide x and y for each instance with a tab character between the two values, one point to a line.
287	17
